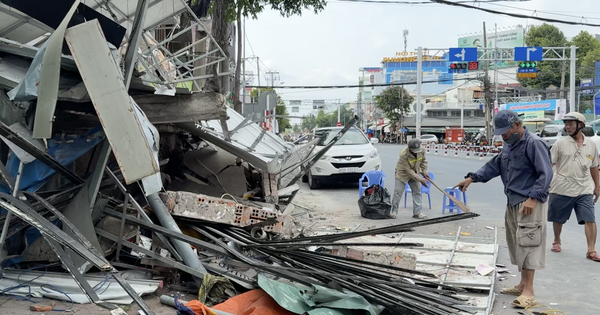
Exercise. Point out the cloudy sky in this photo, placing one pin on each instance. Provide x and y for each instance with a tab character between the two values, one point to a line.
328	48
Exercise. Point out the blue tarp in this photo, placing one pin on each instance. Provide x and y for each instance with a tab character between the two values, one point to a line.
65	150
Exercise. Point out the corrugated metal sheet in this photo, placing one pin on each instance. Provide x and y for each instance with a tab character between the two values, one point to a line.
267	149
17	26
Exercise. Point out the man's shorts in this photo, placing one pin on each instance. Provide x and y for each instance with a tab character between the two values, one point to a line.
560	208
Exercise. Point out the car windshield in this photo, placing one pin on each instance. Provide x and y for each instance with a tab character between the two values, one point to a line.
427	136
352	137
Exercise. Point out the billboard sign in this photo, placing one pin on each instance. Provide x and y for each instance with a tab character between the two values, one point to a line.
587	83
531	106
505	39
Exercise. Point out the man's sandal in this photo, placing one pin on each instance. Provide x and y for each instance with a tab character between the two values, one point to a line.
593	256
511	291
524	302
556	247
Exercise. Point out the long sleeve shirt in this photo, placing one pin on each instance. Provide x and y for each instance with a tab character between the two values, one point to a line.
524	167
411	166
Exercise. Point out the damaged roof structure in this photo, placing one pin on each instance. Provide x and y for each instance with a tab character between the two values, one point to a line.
117	163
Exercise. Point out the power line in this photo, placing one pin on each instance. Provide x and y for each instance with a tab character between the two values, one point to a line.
420	2
546	12
517	15
356	86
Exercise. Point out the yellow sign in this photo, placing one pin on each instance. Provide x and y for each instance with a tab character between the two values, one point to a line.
528	75
409	57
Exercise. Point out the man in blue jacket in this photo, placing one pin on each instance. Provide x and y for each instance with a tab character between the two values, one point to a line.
526	171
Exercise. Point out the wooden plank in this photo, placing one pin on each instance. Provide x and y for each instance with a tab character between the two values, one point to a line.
114	107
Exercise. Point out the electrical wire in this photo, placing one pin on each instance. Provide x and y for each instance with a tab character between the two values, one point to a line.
29	295
546	12
417	2
349	86
516	15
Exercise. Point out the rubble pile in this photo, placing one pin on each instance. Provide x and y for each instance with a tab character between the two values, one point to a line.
122	176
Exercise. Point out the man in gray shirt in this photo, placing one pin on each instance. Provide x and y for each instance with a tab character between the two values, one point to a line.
526	172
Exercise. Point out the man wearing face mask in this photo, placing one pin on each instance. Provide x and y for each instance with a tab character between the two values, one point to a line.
525	168
575	184
411	169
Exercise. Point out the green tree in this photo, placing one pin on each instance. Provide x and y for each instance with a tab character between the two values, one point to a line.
549	72
296	129
323	120
585	43
284	123
309	122
588	64
394	102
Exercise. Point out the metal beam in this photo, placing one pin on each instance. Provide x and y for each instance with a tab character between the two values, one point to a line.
134	38
49	79
143	214
93	184
77	276
80	246
30	216
33	22
13	27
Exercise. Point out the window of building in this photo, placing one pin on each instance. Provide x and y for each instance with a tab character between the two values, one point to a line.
455	113
295	109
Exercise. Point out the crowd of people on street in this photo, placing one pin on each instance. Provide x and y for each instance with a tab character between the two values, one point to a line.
540	184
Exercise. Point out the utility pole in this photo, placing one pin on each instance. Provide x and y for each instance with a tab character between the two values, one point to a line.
274	77
244	67
487	90
338	108
258	70
572	78
495	69
405	35
419	87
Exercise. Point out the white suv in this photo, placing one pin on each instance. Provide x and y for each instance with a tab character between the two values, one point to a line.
349	158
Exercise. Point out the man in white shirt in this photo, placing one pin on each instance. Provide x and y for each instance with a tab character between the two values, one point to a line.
575	184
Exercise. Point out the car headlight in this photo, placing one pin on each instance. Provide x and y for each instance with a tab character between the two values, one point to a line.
325	157
373	154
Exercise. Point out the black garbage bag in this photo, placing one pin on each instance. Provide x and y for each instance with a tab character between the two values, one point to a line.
375	203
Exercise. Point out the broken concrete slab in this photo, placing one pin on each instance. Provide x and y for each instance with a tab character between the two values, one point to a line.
162	109
196	206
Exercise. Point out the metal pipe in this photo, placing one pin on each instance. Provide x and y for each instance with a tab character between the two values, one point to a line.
419	88
183	248
573	60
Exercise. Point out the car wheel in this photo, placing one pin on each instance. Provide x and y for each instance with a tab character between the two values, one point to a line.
305	178
312	182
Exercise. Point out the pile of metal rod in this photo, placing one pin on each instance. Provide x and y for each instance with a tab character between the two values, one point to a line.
399	290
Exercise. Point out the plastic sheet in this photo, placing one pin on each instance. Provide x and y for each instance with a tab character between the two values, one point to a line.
316	300
376	203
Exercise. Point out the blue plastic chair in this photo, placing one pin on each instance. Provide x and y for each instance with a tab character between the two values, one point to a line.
424	190
448	204
372	177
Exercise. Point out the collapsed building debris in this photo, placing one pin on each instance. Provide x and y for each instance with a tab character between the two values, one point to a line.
115	162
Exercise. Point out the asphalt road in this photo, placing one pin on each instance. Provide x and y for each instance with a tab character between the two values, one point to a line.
569	278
